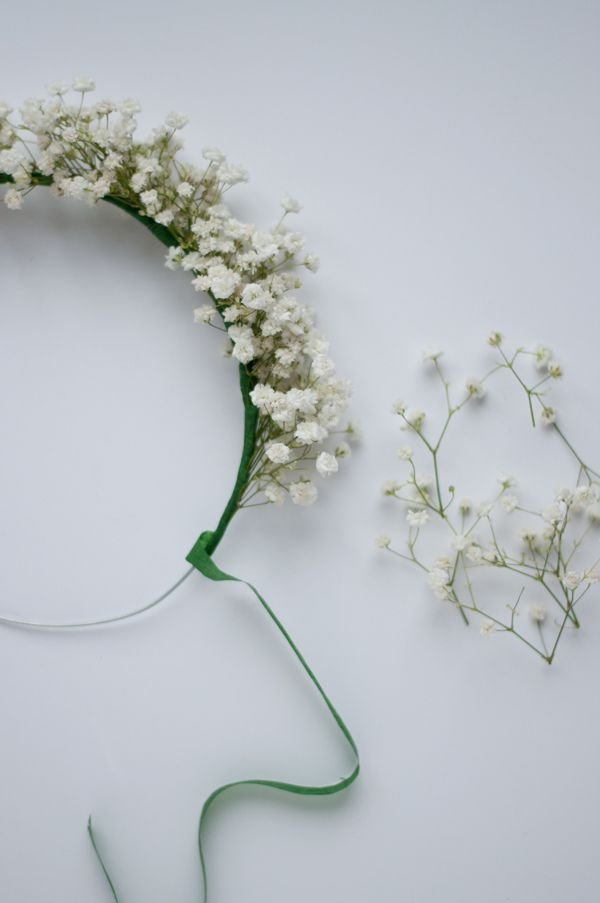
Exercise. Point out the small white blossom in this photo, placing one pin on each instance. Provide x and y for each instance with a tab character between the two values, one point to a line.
303	492
509	503
278	453
542	355
414	417
309	431
529	536
326	464
204	314
487	628
417	518
495	339
84	85
538	612
431	355
353	431
461	542
475	388
176	121
185	190
342	450
554	370
571	580
548	416
13	199
383	541
290	205
275	494
438	582
405	453
506	480
390	487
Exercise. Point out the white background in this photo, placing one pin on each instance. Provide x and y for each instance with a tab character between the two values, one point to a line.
447	155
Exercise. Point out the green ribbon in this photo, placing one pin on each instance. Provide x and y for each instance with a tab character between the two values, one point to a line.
200	557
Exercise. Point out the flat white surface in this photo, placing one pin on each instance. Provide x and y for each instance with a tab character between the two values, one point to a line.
447	157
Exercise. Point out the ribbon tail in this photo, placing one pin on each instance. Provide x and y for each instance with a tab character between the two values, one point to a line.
200	558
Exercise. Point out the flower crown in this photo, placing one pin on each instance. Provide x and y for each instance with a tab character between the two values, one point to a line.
90	152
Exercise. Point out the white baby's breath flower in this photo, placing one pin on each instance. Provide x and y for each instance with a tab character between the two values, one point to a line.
290	205
204	314
390	487
548	415
509	503
438	581
398	407
275	494
278	453
383	541
538	612
310	431
303	492
487	628
460	542
475	388
474	553
571	580
414	418
554	370
342	450
417	518
84	85
506	480
13	199
542	354
326	464
431	355
591	576
465	505
529	536
555	515
312	263
58	89
176	120
494	339
353	432
564	495
213	154
405	453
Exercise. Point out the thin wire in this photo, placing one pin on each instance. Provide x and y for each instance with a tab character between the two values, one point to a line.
130	614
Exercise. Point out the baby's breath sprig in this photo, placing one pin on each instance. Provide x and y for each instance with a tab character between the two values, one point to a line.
553	556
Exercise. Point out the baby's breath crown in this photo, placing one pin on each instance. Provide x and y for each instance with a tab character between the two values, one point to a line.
91	152
293	400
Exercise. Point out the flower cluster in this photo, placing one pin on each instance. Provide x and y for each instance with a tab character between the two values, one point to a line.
551	551
89	152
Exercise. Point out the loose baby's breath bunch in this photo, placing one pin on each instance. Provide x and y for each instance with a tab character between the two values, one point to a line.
91	152
551	552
